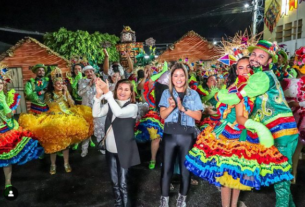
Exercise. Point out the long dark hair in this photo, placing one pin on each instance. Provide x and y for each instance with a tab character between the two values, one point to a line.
232	72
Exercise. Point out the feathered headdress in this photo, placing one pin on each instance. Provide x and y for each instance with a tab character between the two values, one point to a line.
233	48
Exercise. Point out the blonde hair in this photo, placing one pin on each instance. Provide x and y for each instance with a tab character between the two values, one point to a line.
175	67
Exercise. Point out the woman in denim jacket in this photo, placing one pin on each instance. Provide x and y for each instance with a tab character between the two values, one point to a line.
179	106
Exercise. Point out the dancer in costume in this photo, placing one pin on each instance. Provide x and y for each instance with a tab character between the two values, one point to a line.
150	127
65	124
227	155
180	107
295	95
72	80
270	108
121	148
17	146
35	89
87	90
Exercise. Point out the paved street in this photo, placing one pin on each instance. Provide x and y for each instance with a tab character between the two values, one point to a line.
88	185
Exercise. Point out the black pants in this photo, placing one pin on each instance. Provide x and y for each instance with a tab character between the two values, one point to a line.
173	145
119	180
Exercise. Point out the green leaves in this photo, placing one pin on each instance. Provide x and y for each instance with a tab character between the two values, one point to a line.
70	43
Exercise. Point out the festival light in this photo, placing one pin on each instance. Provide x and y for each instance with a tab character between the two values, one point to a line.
146	56
285	7
214	43
246	5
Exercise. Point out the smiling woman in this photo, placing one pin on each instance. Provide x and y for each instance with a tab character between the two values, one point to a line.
180	107
121	149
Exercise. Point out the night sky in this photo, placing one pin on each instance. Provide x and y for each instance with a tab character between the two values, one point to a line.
164	20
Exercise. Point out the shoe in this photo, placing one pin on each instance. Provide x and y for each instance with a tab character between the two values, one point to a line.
92	143
103	151
194	182
75	147
181	201
8	186
68	168
84	153
53	169
152	165
164	201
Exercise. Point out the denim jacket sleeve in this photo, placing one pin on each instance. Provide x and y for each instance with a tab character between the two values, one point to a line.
164	99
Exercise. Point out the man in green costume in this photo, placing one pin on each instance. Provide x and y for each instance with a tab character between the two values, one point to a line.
270	108
35	89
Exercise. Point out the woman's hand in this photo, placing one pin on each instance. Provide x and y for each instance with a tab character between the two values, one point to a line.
64	87
172	102
127	54
99	91
105	52
180	106
103	86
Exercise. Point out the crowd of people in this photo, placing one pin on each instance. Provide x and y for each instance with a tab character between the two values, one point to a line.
239	127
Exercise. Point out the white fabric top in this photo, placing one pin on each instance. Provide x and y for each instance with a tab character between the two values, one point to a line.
129	111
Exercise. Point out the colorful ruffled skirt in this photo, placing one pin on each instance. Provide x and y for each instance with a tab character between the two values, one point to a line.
57	131
227	161
18	147
150	127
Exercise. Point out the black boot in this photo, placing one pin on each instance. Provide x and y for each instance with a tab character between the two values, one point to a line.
124	187
117	196
112	161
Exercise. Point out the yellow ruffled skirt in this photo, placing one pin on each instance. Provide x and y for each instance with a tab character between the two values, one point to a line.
56	130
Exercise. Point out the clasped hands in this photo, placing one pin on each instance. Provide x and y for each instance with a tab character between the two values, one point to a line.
172	104
101	87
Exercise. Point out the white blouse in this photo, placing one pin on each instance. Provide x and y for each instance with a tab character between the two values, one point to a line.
130	111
